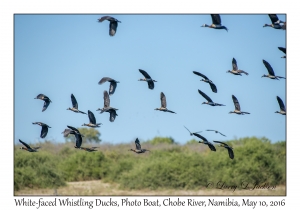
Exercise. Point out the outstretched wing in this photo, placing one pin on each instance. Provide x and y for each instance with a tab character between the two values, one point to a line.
26	145
211	146
105	79
67	131
106	99
92	117
216	19
74	129
199	136
78	140
137	144
163	100
74	101
46	104
236	103
281	104
201	75
44	131
269	68
187	129
221	133
112	115
213	87
146	75
105	18
171	111
205	96
234	64
221	143
273	18
230	153
113	28
282	49
150	84
112	87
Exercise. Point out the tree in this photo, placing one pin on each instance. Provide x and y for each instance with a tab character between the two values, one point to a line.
192	141
160	140
90	135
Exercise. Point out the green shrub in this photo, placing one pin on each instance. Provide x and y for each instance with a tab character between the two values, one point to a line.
36	170
168	165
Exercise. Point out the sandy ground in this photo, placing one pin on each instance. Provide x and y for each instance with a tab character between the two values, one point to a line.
97	187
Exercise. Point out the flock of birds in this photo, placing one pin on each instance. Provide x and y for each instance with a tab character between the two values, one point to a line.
216	24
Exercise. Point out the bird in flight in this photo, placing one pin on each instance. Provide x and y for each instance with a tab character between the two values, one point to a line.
75	105
113	24
212	85
216	22
163	104
230	149
112	86
138	149
148	79
216	132
45	99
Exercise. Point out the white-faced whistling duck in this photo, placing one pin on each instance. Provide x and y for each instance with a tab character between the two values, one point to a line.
92	119
44	98
230	149
113	24
235	70
71	130
217	132
148	79
163	102
138	148
191	132
76	133
44	130
68	131
113	84
107	108
212	85
237	107
210	145
282	107
283	50
271	74
209	101
91	149
275	22
75	105
216	22
28	148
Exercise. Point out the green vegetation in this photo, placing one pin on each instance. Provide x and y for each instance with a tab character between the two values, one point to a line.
167	166
162	140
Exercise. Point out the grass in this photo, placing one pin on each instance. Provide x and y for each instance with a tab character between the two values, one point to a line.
98	187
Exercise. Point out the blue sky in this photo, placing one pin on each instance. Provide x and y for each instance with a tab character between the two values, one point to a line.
58	55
